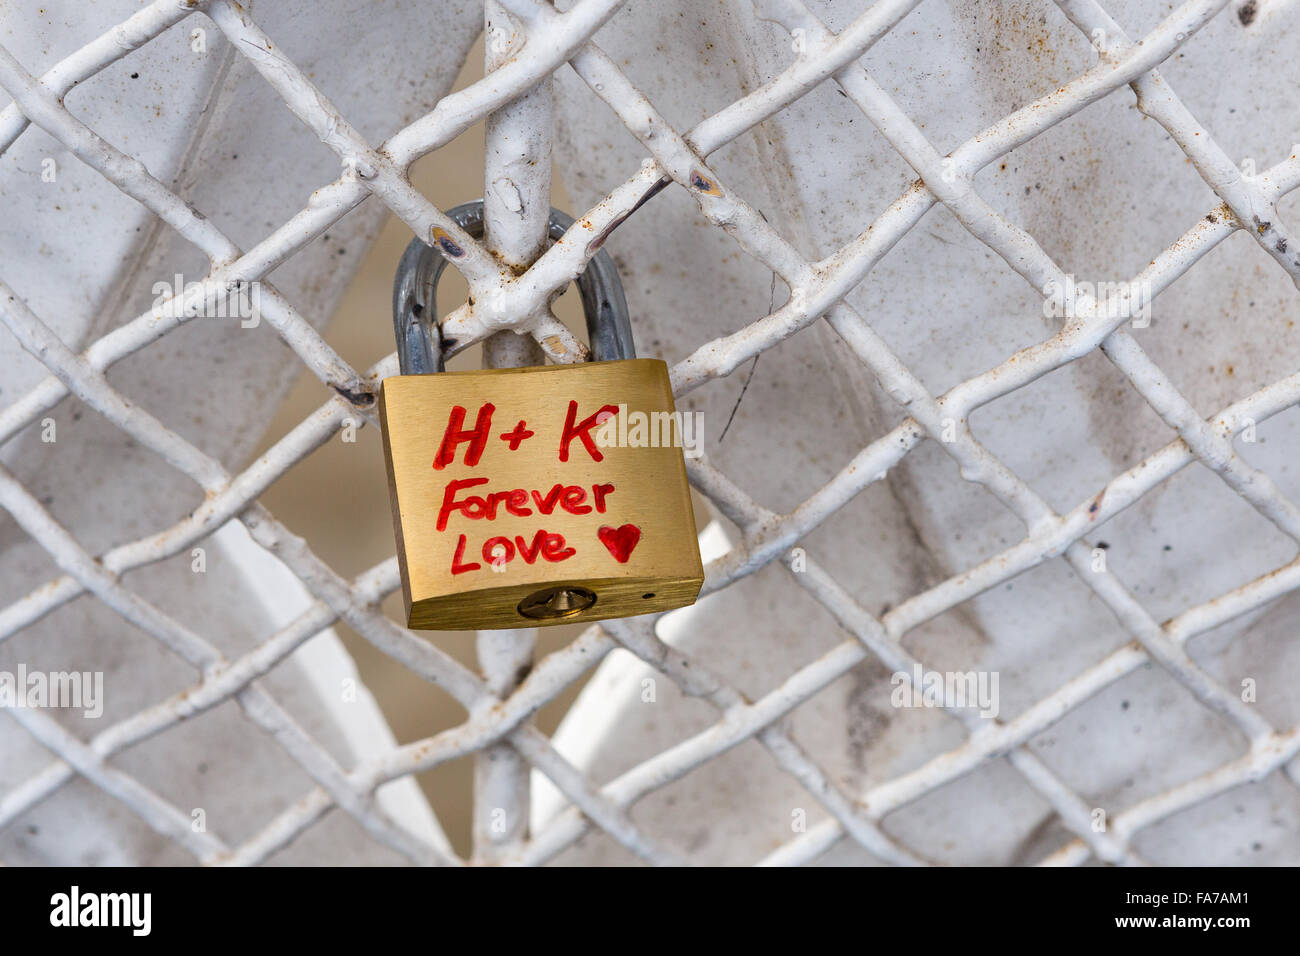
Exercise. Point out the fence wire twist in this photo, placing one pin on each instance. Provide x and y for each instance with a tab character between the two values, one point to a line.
502	300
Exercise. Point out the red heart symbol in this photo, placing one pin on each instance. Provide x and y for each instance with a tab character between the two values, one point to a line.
620	541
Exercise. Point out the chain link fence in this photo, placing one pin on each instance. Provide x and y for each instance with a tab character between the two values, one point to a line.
502	299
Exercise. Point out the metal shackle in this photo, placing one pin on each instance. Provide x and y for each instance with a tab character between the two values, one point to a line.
415	312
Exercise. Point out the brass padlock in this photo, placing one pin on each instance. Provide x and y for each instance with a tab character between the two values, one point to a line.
518	497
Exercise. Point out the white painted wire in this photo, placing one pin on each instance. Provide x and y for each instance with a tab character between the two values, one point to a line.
501	300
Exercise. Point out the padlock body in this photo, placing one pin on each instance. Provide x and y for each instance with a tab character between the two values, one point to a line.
536	496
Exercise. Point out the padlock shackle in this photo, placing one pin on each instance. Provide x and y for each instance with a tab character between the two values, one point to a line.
415	310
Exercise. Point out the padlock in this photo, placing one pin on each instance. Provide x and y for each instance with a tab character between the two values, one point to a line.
520	496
